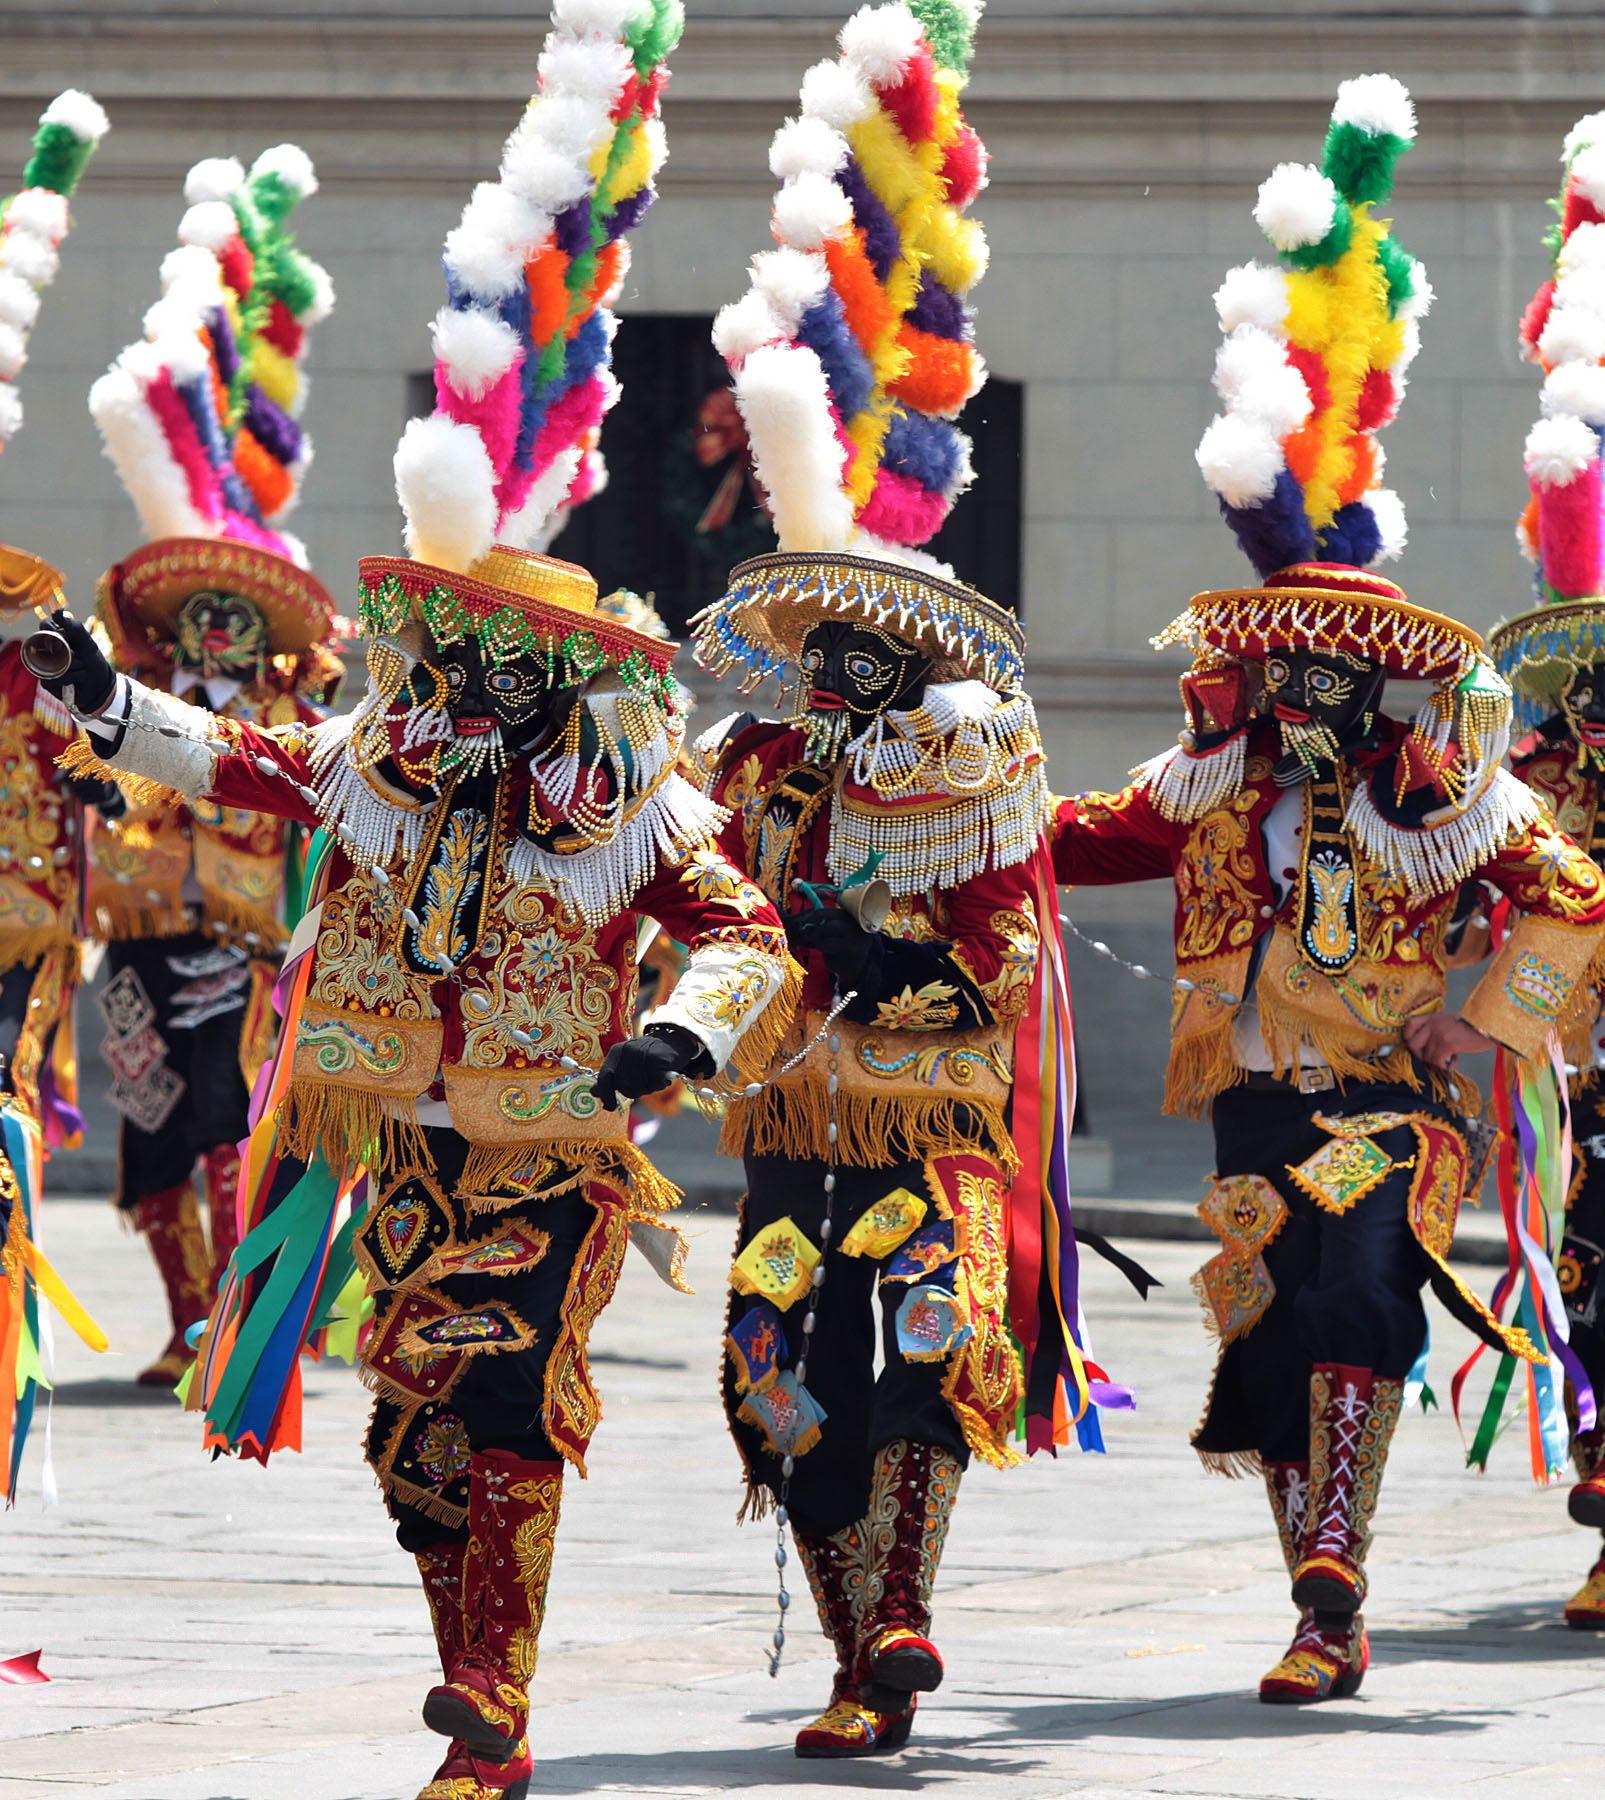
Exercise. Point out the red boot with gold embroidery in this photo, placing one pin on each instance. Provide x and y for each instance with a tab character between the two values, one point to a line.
222	1177
911	1504
440	1566
171	1224
1586	1502
464	1776
512	1526
1353	1413
835	1567
1325	1661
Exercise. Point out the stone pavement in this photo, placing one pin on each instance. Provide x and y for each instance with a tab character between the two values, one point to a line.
222	1632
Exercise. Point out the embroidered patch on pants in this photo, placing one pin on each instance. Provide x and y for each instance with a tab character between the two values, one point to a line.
788	1416
1245	1212
931	1324
778	1264
879	1231
1343	1171
757	1347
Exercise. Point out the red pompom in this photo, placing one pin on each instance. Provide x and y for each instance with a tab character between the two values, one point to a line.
281	330
1378	401
1313	369
237	265
912	100
964	167
1534	319
1578	210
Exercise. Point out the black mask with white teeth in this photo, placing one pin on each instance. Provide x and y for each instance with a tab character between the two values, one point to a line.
852	674
1325	702
1582	705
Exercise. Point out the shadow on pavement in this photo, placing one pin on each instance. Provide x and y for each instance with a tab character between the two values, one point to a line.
106	1392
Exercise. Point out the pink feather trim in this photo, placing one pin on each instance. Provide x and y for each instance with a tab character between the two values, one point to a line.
495	415
185	447
578	412
1569	541
901	511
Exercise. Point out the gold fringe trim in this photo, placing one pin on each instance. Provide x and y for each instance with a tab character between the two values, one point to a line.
240	922
874	1131
1233	1464
1200	1067
759	1046
80	760
138	919
424	1500
757	1505
492	1166
19	947
348	1126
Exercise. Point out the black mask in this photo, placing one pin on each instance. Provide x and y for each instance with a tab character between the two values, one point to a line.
1325	701
1582	705
861	672
513	701
220	635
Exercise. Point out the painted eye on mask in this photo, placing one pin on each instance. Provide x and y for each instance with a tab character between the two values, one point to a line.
503	683
1321	682
862	668
812	661
1276	672
456	678
1583	696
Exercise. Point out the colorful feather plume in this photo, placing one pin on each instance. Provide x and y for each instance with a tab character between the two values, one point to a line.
33	223
853	352
1563	331
1315	352
200	416
524	345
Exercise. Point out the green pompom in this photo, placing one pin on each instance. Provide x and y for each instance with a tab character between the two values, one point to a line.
949	30
1399	270
293	280
654	32
275	198
1360	163
1329	249
59	157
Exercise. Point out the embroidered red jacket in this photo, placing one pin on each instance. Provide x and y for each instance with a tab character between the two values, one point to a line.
1353	951
40	821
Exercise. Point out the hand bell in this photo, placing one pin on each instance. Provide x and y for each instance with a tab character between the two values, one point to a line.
46	655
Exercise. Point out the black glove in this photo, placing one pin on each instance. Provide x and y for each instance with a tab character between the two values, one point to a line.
643	1065
851	954
106	797
89	679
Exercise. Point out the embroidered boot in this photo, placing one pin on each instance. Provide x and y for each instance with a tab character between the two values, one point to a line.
1353	1413
440	1566
1320	1664
834	1566
910	1507
1585	1611
171	1222
464	1776
512	1527
1586	1502
222	1177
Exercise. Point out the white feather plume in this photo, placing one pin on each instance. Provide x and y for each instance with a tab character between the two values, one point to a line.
1588	171
1376	103
290	164
785	400
1252	294
806	146
1240	460
1575	387
810	210
837	94
81	113
19	300
447	490
214	178
791	280
475	348
38	212
745	324
1572	334
1558	450
1388	511
1296	206
879	40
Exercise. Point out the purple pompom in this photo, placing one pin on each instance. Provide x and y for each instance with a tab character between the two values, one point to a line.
272	427
572	229
1275	533
1352	537
883	242
924	448
939	310
824	329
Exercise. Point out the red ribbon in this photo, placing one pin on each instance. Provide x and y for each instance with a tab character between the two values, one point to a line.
23	1671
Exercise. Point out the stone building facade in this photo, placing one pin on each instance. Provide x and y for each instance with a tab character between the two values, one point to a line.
1128	139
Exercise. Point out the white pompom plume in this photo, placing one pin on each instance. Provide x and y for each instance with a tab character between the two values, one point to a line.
1296	206
447	490
1526	542
474	349
810	210
10	413
35	259
1252	294
1392	527
13	352
791	280
38	212
1584	248
1572	334
1588	172
214	178
785	401
1378	104
806	147
321	303
1590	129
605	18
837	94
81	113
1558	450
547	178
138	448
573	126
1240	460
879	41
486	268
1575	387
210	225
1418	302
19	300
290	165
594	68
744	326
1256	381
191	267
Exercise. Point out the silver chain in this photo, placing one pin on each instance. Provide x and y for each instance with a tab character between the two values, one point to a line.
1179	982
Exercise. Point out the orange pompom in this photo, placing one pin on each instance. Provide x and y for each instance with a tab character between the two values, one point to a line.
869	313
940	375
606	273
1363	473
266	477
547	272
1303	450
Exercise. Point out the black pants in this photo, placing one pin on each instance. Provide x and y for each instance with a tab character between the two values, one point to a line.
501	1395
1583	1246
1348	1285
15	986
213	1108
864	1411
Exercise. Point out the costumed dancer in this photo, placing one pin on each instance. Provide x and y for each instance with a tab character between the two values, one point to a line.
497	819
897	817
41	819
219	609
1317	848
1554	658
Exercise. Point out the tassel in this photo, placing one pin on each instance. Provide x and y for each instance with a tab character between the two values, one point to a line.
492	1169
349	1126
80	760
759	1045
874	1131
